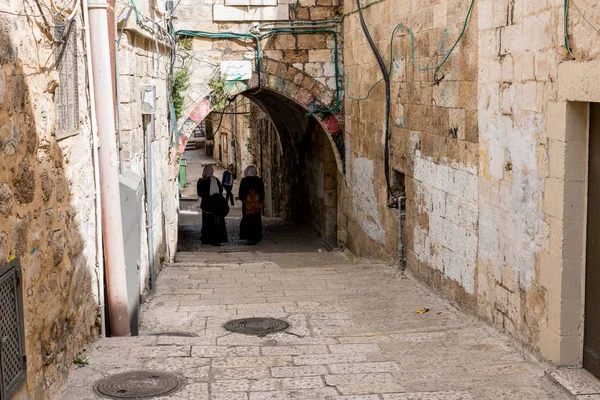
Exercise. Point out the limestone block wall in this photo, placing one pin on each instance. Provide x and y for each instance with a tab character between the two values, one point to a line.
46	198
144	59
484	162
320	183
310	53
522	172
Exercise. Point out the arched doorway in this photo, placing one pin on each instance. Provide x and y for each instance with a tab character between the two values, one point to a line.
292	152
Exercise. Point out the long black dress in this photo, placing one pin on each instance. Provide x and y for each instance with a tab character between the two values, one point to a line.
251	225
214	230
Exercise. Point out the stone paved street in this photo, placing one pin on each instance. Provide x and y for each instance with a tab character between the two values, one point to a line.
355	333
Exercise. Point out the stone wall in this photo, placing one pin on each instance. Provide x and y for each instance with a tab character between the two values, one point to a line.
143	59
47	197
309	53
485	180
47	193
320	183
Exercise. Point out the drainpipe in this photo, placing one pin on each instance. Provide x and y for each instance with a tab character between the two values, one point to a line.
109	173
149	133
98	200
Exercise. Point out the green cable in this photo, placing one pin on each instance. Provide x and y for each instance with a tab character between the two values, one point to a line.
232	35
359	99
355	11
336	106
412	43
566	28
138	18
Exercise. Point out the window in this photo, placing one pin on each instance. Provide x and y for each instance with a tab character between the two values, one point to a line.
67	93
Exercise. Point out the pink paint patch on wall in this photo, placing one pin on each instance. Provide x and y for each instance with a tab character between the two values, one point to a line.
201	111
332	124
182	143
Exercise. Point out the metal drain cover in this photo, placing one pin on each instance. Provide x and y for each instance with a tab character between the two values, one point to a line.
174	333
256	326
138	385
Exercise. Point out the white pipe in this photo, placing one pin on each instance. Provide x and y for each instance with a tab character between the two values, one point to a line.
116	277
99	245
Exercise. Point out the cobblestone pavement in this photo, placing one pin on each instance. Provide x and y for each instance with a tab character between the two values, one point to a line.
354	331
355	335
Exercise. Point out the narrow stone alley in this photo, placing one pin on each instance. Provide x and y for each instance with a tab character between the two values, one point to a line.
354	330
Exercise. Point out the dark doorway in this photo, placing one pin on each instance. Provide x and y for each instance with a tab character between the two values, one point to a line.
591	341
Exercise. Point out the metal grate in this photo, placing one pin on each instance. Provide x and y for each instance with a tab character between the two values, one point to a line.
67	92
12	342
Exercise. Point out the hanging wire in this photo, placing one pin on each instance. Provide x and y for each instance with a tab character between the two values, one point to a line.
584	18
566	27
21	14
401	27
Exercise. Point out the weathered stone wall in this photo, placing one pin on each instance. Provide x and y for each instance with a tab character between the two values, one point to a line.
319	178
143	59
484	181
47	200
271	164
310	53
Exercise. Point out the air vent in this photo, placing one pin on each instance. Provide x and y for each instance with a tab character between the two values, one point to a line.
12	341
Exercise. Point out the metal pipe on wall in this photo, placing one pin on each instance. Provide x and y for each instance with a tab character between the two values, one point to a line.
109	174
149	135
97	196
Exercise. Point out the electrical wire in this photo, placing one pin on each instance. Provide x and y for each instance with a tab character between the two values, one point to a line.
584	18
74	9
21	14
566	27
401	27
386	79
256	38
359	99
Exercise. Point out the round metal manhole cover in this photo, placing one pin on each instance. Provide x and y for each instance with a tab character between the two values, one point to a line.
138	385
256	326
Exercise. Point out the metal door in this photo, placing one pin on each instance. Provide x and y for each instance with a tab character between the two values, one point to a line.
591	341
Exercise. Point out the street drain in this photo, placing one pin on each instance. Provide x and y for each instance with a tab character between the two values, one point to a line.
138	385
256	326
175	333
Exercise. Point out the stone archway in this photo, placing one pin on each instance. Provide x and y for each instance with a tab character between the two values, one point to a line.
291	83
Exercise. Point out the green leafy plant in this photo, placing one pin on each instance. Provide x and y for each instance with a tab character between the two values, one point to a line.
181	81
219	96
185	43
80	360
162	259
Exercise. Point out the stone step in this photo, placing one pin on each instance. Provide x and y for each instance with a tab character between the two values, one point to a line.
578	382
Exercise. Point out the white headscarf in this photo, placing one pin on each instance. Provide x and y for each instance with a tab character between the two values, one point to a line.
250	171
207	173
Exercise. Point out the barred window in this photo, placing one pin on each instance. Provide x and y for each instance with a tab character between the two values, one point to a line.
67	93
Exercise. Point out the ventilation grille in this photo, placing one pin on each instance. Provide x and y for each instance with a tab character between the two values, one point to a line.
12	343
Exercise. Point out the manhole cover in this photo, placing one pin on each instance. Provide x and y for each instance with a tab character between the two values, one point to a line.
256	326
138	385
175	333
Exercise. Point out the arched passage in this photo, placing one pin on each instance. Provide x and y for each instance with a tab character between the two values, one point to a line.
309	161
287	82
293	154
310	141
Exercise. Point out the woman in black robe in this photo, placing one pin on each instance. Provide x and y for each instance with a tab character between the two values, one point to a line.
252	194
210	189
